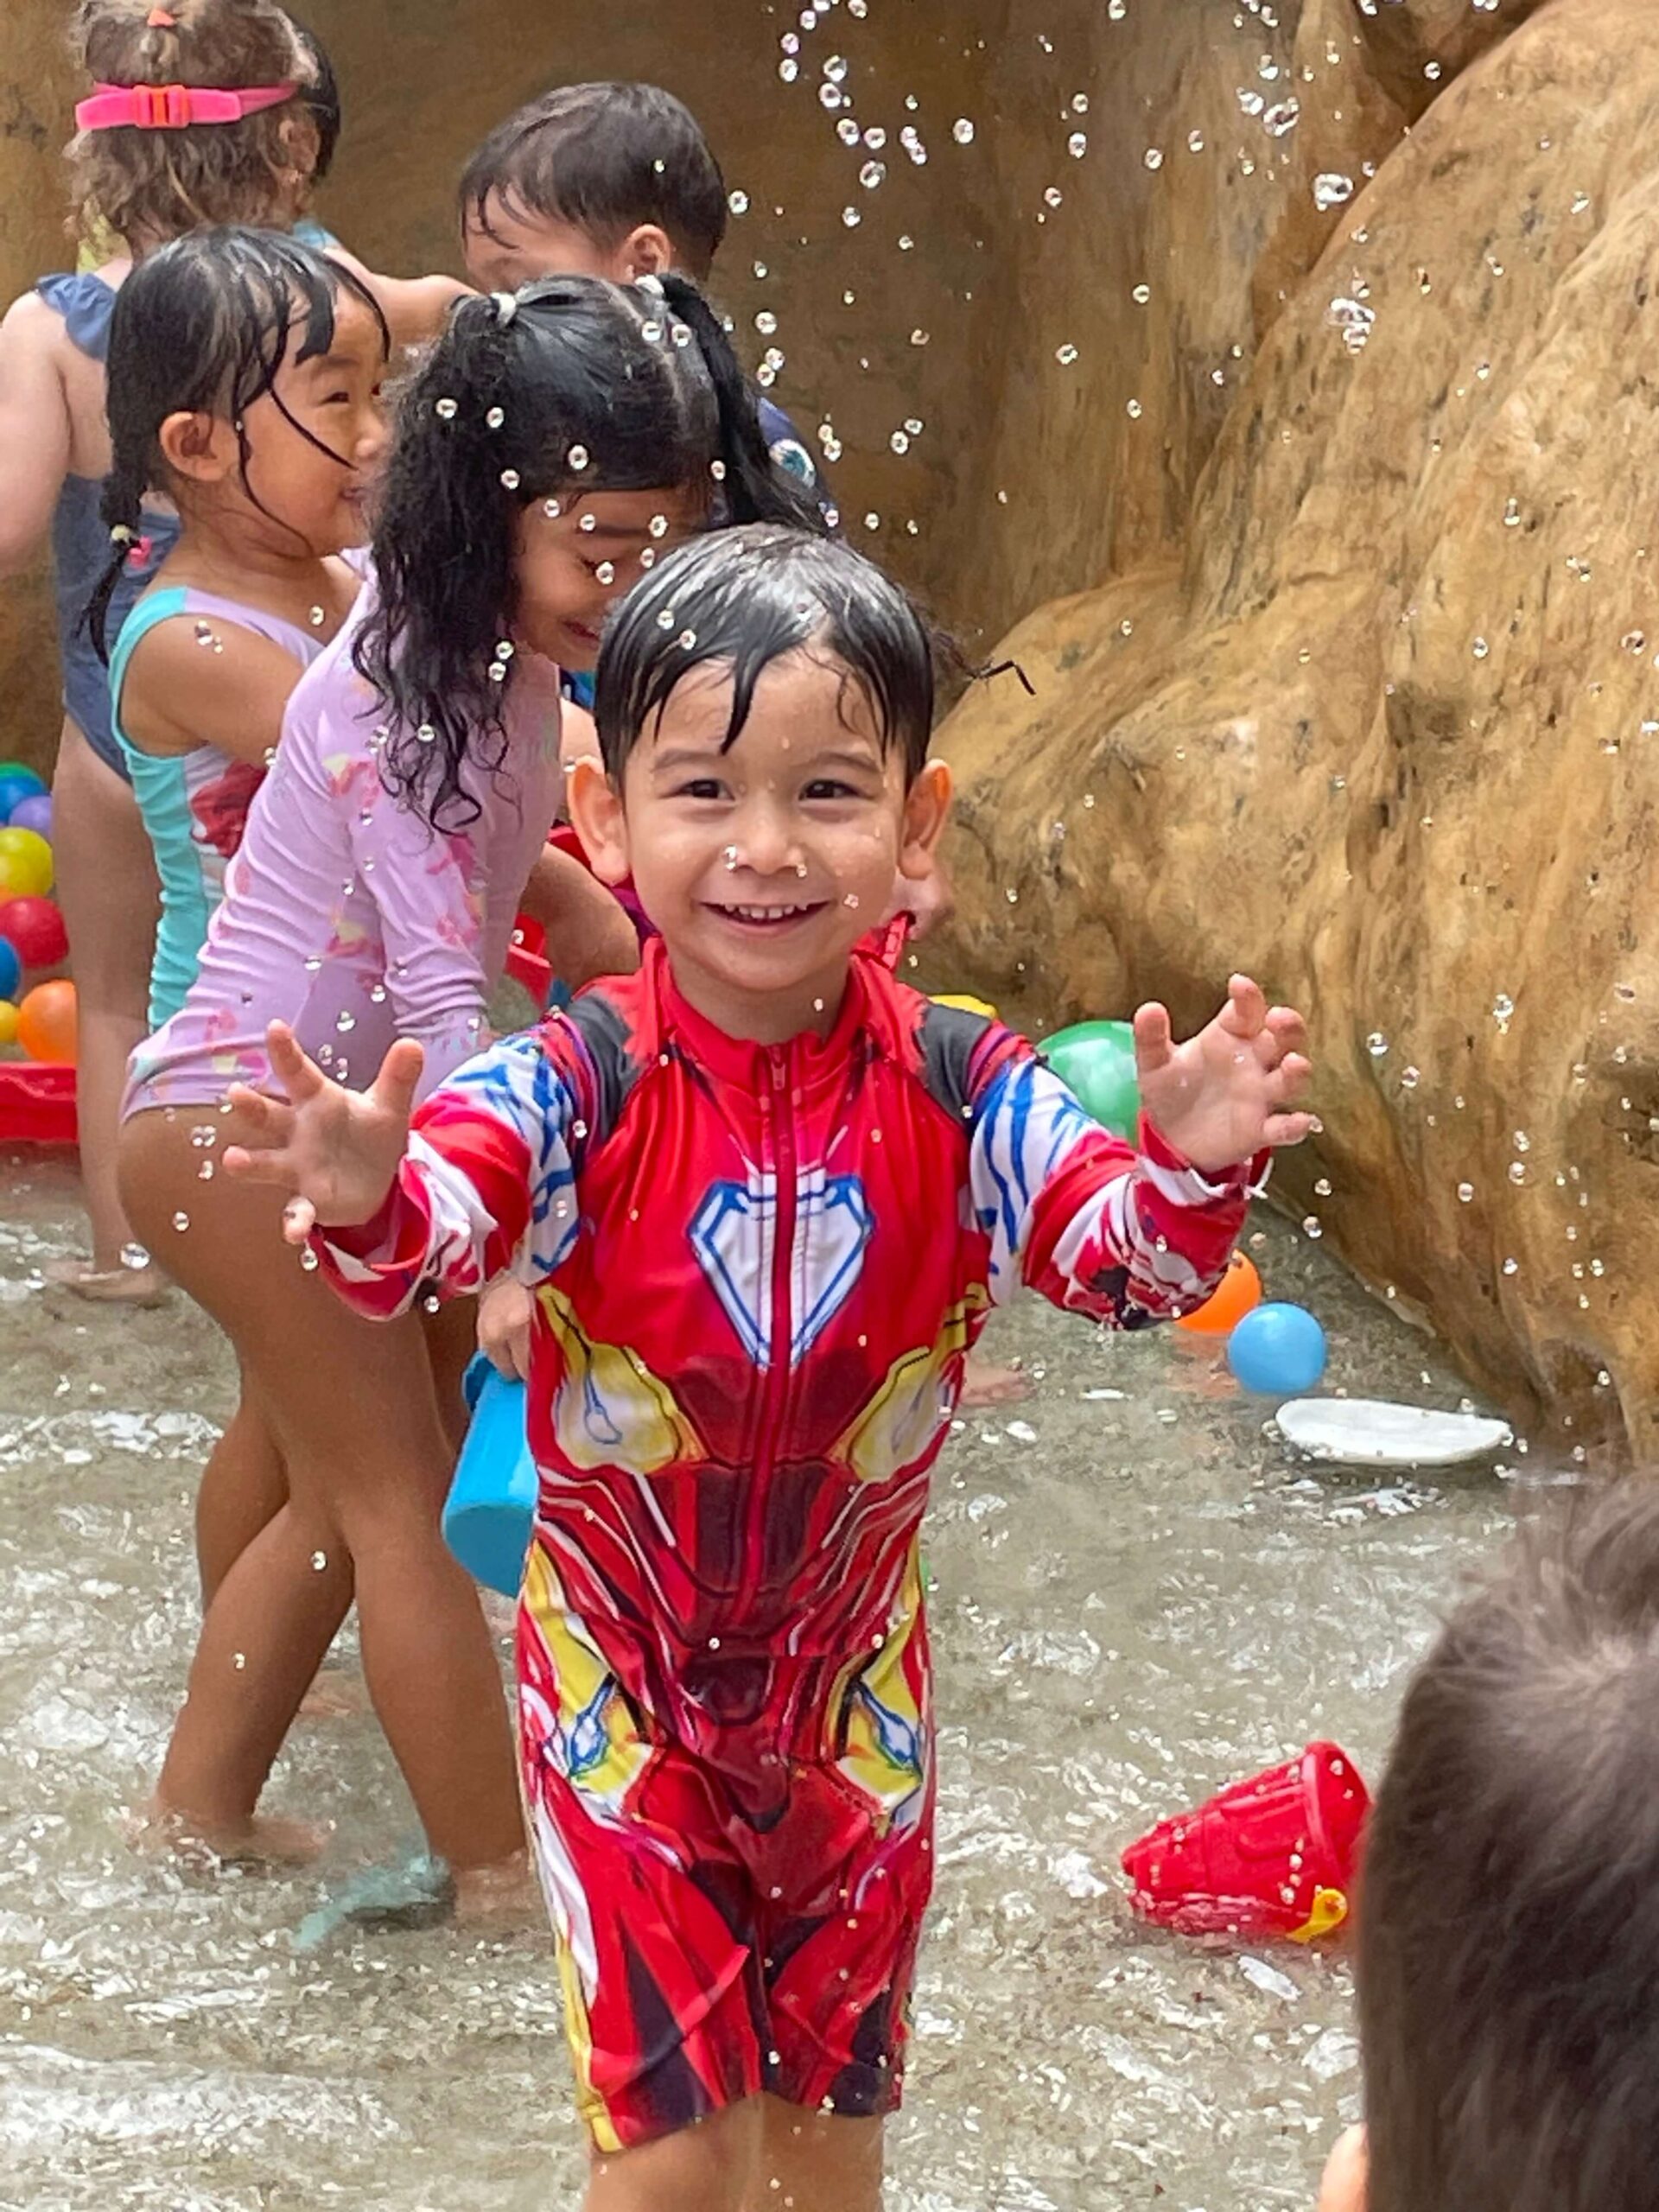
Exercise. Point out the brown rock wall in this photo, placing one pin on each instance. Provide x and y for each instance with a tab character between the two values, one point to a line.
1390	736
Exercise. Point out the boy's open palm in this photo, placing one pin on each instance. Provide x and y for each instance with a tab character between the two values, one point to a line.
1230	1091
339	1151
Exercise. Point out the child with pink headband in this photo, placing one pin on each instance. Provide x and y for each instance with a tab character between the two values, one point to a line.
199	112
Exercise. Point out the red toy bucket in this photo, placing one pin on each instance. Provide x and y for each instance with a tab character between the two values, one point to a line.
1274	1856
37	1102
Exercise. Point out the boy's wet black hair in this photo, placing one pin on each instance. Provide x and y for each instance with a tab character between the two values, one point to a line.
320	94
747	598
206	326
605	158
1508	1912
572	386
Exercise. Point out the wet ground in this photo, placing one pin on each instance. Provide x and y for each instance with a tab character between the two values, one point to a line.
1138	1597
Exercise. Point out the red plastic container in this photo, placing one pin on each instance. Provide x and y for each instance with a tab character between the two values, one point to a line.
37	1102
527	961
1276	1855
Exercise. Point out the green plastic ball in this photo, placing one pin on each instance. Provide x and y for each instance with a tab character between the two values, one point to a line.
1095	1062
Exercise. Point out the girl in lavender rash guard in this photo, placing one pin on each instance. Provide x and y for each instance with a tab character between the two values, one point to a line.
553	444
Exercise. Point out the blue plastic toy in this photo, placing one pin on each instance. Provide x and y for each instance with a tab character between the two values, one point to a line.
1277	1351
17	783
11	968
491	1503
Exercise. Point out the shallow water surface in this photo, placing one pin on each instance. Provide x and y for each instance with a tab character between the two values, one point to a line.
1138	1597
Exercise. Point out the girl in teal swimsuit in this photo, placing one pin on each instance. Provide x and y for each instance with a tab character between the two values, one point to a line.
215	145
244	377
244	380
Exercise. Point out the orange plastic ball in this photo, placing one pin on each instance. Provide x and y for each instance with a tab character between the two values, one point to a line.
1239	1289
46	1022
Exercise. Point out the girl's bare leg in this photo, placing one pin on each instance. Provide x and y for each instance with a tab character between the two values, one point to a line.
451	1340
107	888
709	2168
813	2162
354	1414
243	1487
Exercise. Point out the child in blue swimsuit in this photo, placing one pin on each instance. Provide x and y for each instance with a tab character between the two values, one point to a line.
203	113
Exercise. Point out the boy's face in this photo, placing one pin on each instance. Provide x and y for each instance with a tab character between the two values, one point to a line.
764	863
507	246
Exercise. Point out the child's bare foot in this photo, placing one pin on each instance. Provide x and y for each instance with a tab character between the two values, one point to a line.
335	1695
505	1895
122	1286
205	1846
983	1385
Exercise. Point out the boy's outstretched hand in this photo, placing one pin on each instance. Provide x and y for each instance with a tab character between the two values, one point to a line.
1230	1091
339	1151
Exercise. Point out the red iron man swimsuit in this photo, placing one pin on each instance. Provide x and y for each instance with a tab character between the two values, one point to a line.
758	1274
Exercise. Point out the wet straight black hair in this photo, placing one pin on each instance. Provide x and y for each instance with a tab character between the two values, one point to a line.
572	386
1508	1913
206	326
747	599
605	158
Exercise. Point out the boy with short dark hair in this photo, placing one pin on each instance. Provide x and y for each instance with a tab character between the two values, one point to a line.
605	179
1508	1926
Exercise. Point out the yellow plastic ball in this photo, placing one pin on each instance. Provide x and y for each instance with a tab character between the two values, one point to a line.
25	864
7	1022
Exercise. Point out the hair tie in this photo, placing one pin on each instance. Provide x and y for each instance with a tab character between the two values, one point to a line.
506	306
159	20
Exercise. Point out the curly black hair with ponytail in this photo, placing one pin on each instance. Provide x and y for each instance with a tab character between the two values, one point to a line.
205	326
641	380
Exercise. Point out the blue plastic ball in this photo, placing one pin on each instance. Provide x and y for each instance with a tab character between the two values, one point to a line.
1277	1351
11	968
15	785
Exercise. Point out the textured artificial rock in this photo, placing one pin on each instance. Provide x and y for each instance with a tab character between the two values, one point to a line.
1384	729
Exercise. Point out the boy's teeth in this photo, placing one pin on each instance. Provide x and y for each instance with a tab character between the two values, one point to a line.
766	913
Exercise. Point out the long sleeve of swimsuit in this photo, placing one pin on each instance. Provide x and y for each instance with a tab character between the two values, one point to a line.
488	1185
1129	1237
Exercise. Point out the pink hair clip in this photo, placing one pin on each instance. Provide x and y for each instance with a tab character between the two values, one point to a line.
174	107
159	20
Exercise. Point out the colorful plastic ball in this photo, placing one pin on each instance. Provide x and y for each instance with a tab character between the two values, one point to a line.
33	814
25	864
963	1004
1095	1062
1278	1351
46	1022
33	928
16	784
7	1022
11	968
1238	1293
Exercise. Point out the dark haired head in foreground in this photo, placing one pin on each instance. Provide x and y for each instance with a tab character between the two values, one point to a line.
1509	1968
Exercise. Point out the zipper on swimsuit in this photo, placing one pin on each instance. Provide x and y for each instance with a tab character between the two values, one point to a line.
775	1101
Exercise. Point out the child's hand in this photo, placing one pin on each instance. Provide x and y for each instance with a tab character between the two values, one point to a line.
338	1150
503	1313
1228	1093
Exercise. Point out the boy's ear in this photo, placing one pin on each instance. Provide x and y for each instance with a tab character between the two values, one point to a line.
596	811
927	806
199	446
647	251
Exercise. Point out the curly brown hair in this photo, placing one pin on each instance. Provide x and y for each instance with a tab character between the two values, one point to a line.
150	186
